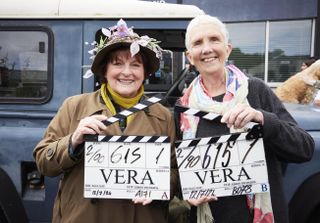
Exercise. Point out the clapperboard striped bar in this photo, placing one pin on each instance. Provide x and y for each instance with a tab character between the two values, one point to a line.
255	132
203	169
127	139
203	114
125	113
136	108
196	112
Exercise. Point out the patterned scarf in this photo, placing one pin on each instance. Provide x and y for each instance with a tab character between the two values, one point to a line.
196	96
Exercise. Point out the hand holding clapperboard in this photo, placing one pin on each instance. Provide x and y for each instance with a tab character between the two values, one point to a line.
126	167
226	165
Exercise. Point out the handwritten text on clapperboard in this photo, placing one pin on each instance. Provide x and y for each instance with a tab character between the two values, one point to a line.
222	166
126	167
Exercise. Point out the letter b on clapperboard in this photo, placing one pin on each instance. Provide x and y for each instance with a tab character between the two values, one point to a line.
226	165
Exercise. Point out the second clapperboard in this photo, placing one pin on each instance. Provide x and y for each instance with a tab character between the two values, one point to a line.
126	167
226	165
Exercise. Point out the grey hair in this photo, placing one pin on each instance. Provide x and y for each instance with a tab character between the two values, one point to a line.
206	19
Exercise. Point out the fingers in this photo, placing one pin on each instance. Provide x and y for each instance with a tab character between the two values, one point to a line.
89	125
94	123
233	116
143	201
241	115
204	199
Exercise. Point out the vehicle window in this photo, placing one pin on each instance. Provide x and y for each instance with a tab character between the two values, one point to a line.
271	50
172	41
25	67
290	45
248	51
164	76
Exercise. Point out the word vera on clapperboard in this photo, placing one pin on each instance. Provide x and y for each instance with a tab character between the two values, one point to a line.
227	165
126	167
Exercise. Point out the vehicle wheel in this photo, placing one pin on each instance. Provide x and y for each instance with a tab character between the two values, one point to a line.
305	204
11	207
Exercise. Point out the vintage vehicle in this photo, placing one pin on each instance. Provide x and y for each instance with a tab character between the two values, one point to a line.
44	59
301	180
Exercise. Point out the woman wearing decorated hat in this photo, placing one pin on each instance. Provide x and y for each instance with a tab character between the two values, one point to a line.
122	61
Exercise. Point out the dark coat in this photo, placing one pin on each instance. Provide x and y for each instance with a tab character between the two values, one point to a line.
284	141
53	159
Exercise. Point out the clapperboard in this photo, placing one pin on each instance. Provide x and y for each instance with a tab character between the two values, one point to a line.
226	165
126	167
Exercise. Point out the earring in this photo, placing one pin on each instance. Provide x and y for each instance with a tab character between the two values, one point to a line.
226	62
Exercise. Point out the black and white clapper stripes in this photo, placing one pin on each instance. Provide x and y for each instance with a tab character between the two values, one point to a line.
196	112
205	115
124	114
127	139
254	130
254	133
136	108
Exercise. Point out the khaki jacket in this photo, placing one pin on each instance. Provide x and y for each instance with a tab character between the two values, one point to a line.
53	159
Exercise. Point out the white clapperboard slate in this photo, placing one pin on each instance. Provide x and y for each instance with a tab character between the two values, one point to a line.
126	167
226	165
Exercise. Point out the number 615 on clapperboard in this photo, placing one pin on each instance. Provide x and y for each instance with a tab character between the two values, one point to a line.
226	165
126	167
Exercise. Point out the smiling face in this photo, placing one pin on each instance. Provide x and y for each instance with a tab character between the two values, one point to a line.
208	49
125	74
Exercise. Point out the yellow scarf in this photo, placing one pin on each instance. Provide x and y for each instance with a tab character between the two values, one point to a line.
123	102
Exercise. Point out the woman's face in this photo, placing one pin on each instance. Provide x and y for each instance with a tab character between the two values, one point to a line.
208	49
303	66
125	74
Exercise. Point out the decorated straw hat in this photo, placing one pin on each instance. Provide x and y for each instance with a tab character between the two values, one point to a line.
119	36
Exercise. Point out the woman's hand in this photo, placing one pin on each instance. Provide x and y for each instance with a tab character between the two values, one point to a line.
143	201
204	199
241	115
89	125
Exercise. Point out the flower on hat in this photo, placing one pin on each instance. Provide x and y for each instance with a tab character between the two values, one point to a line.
122	29
121	33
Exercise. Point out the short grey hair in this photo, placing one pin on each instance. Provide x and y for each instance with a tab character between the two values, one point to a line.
206	19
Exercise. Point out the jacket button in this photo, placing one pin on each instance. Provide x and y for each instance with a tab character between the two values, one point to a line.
93	201
49	152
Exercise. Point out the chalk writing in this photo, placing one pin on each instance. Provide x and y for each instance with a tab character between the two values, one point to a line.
244	189
117	155
94	155
225	167
128	169
196	194
143	194
100	193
